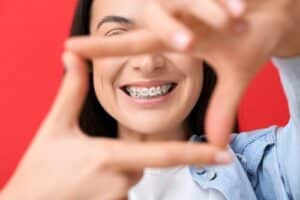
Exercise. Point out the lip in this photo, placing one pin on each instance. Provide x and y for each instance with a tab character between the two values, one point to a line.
153	83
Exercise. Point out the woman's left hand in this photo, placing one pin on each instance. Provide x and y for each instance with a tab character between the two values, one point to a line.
236	56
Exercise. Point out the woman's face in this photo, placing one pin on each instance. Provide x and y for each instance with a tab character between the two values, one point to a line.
147	94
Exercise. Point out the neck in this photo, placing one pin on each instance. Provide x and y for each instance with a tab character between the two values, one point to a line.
175	134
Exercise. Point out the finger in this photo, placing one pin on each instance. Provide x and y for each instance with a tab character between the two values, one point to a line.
137	42
173	33
236	7
72	92
210	12
137	156
222	109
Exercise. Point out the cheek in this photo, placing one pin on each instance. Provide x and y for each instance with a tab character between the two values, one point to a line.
195	77
192	71
105	75
193	85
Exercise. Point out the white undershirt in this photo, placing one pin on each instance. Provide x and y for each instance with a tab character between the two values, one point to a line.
171	184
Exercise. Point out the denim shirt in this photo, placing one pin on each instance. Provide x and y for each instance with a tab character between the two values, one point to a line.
266	162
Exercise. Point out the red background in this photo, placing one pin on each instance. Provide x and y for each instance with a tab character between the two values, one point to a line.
31	38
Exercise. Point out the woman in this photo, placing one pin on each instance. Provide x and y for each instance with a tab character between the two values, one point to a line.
153	97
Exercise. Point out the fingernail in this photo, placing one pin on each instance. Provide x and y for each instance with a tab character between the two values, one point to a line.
237	7
181	41
223	157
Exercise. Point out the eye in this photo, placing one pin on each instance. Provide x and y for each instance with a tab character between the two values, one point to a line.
114	32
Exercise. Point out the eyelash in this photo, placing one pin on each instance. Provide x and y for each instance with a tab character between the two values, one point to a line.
114	32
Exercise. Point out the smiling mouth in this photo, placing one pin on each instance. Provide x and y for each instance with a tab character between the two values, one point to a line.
139	92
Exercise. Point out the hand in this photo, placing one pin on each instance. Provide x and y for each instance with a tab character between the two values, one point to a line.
167	24
63	163
235	56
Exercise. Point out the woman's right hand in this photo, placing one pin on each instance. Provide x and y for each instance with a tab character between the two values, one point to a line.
64	163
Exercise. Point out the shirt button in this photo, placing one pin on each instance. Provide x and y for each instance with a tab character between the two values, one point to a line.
241	158
211	175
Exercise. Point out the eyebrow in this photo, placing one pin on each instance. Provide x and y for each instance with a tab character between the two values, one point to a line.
114	19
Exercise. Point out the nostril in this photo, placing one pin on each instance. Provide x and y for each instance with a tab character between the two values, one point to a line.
149	62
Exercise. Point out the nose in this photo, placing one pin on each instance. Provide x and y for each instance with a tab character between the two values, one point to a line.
149	64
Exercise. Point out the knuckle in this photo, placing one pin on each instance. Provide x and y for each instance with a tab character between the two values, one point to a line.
104	161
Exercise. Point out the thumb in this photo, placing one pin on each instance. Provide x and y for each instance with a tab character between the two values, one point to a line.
222	109
72	93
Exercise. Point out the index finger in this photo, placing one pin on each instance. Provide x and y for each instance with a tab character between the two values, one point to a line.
133	43
137	156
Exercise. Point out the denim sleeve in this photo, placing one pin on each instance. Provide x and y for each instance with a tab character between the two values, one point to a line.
288	137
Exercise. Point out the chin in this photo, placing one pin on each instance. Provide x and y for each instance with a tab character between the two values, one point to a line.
147	129
153	126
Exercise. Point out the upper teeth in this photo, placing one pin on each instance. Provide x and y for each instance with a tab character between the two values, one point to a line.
143	92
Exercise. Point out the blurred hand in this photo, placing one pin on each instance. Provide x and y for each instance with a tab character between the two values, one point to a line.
168	22
235	52
63	163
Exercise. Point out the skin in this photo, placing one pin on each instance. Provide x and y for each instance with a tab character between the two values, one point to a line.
99	163
110	74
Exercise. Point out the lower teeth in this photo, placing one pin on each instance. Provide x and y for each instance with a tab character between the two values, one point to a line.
146	96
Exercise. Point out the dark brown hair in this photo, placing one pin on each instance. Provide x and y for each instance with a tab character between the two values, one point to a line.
96	122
